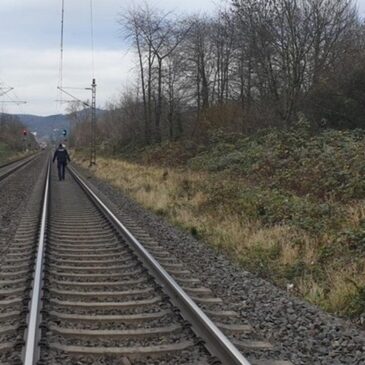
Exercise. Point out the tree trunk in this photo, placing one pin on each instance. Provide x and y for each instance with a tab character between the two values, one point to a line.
145	111
159	102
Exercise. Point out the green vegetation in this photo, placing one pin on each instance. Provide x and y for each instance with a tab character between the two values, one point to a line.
329	164
286	204
12	144
5	153
210	138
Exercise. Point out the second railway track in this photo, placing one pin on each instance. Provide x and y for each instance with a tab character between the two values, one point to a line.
10	167
99	297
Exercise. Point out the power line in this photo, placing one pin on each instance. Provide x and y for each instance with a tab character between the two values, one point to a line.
12	102
92	38
60	75
4	92
62	90
60	87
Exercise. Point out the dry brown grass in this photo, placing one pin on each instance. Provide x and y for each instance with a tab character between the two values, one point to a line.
356	213
177	194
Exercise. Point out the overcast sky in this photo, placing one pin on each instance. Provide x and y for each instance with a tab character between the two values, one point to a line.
30	46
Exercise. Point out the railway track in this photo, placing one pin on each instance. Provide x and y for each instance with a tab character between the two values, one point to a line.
77	287
16	268
10	167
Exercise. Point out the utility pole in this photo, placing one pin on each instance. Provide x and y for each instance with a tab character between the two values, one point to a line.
93	125
25	137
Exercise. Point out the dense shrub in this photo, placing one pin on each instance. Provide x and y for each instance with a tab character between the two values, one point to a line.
330	164
273	206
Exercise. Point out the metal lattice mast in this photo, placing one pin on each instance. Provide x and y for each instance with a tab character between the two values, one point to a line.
93	125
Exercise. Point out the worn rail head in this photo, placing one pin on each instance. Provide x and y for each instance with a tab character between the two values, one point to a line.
31	350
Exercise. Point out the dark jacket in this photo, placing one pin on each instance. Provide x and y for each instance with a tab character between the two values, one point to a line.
62	155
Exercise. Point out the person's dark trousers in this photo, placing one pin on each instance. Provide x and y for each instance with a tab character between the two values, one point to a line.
61	170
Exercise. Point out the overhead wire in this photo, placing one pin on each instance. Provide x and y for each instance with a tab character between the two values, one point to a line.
9	95
61	88
92	38
60	75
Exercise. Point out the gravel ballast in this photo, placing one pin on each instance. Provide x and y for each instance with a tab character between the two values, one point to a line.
15	192
302	332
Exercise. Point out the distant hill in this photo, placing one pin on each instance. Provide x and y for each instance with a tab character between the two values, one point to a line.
45	126
49	126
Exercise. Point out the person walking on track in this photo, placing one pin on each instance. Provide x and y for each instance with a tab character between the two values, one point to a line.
62	158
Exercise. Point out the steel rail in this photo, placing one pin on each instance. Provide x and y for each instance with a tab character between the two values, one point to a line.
11	162
16	160
17	165
31	352
214	340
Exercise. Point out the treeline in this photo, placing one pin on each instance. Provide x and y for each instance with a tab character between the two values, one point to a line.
254	64
11	134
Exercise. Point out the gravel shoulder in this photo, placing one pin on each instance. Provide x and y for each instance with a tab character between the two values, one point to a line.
303	333
15	192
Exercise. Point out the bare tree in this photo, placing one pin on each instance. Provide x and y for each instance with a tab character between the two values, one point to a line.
292	42
132	22
263	59
169	36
